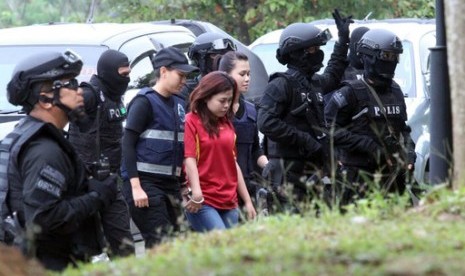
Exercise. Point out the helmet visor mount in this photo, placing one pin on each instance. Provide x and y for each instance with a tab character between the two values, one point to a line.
223	44
324	36
70	58
294	43
68	61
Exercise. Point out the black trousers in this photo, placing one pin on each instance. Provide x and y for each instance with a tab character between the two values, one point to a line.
295	173
355	182
162	218
116	227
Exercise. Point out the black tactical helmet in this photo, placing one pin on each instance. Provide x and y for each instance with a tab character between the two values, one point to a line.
381	44
210	43
301	35
45	66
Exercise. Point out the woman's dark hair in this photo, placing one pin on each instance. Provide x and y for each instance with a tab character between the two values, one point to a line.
211	84
157	75
228	60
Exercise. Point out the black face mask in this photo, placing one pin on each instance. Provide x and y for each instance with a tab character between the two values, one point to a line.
380	72
355	61
107	69
307	63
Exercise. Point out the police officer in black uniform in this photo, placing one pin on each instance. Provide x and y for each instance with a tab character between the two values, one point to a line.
153	149
290	113
355	68
100	137
206	51
370	120
47	205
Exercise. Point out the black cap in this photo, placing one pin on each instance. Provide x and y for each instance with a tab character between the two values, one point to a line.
173	58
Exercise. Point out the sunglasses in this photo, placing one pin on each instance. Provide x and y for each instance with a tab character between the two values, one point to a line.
72	84
388	56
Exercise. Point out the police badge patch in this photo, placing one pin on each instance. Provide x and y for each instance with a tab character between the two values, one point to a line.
340	100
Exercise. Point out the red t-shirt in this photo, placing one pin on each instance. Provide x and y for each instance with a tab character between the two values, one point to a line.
216	161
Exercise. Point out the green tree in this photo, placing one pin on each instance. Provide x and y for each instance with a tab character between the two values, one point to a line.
244	19
248	19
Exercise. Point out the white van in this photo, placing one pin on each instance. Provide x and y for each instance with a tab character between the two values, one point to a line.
139	41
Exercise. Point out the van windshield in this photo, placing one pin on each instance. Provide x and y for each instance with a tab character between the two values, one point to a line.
11	55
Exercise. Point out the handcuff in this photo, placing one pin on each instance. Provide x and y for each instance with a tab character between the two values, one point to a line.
189	196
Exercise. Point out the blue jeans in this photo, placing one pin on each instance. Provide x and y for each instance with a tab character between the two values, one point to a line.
209	218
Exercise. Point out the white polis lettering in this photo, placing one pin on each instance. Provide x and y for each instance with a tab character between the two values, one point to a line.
390	110
114	113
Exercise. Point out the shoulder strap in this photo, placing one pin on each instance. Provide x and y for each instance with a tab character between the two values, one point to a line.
251	111
94	89
381	107
359	91
144	91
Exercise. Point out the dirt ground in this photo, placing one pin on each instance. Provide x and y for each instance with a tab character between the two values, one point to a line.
12	262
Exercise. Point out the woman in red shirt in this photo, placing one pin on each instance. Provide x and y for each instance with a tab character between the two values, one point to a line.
213	174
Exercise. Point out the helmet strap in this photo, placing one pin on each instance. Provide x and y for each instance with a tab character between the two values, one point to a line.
77	114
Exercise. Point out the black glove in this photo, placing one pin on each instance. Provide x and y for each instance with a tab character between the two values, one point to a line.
371	146
342	24
269	167
391	143
106	189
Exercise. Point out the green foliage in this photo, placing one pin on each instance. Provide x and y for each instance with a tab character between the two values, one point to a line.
380	236
244	19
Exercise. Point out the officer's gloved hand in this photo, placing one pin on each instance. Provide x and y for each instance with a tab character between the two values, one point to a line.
372	147
342	24
392	144
106	189
269	167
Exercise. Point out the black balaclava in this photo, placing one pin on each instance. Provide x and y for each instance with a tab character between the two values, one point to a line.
305	62
107	72
380	72
355	37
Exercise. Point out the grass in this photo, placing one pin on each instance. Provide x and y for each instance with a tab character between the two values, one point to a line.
378	237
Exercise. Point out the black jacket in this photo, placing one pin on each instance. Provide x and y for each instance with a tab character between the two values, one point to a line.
292	129
362	131
106	114
51	198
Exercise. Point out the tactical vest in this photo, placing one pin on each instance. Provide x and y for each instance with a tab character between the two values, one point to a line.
10	177
111	115
369	119
305	111
160	148
246	130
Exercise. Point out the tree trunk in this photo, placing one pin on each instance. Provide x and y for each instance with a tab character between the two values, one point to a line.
455	28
